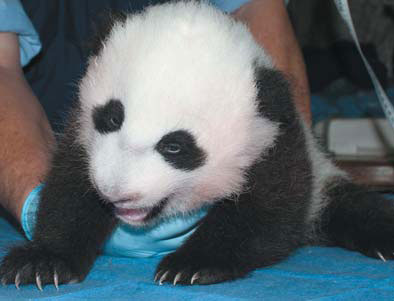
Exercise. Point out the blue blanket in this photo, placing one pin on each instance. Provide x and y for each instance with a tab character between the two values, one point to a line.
312	273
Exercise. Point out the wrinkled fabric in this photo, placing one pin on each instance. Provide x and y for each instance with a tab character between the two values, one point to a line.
312	273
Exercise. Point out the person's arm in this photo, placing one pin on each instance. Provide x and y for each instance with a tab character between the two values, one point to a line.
270	24
26	138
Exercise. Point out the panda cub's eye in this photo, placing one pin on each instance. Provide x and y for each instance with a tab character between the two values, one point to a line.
115	121
172	148
109	117
179	148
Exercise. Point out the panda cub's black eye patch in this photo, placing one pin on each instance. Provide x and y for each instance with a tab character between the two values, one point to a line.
179	148
109	117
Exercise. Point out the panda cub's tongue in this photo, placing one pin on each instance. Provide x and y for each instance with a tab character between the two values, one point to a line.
132	214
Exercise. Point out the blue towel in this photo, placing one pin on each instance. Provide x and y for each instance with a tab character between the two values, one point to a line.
312	273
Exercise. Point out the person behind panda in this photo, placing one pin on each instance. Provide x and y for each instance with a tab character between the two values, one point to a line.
26	135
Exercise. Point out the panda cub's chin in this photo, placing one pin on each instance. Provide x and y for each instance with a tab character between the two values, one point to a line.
140	216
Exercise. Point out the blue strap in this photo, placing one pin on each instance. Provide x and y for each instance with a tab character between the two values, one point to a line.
388	108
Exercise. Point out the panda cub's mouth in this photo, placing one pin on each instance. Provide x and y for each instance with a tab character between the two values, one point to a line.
140	215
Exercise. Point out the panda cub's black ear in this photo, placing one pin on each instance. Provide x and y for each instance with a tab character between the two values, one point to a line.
274	97
102	27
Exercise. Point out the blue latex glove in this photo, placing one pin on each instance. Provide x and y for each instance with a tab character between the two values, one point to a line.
126	240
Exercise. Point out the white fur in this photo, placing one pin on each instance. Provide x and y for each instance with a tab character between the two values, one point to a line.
324	171
176	66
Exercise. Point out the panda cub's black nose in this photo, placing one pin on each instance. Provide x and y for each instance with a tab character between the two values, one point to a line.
133	197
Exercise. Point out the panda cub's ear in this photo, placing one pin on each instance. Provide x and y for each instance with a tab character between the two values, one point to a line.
275	100
109	117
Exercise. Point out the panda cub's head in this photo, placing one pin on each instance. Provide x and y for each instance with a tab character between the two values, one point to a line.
169	113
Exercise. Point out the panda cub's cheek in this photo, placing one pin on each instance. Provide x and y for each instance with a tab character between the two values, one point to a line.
101	169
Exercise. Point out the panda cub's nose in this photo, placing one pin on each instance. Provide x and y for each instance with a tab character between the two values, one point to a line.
131	197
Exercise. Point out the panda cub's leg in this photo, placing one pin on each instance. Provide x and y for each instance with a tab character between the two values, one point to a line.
359	220
72	224
267	222
230	243
260	229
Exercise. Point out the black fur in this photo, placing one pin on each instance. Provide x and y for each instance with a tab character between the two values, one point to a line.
180	149
109	117
275	98
156	210
72	223
359	220
267	222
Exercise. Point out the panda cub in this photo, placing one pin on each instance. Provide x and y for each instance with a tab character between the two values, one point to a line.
180	109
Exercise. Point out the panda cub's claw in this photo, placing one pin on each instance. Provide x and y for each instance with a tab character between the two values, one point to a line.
189	277
177	277
177	268
17	280
157	276
195	277
38	281
380	256
163	277
56	280
383	253
32	265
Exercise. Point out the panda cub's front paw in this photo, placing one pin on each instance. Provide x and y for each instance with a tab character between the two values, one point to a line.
189	269
28	264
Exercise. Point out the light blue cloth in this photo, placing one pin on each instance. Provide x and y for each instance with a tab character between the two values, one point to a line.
231	5
126	240
228	5
318	274
14	19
